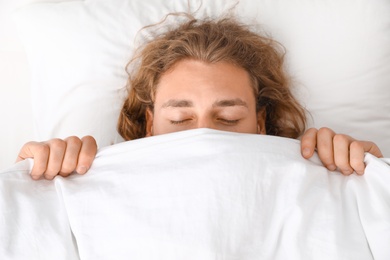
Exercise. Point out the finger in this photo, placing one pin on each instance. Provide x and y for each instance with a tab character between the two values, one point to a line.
357	151
27	151
87	154
309	142
325	147
40	153
356	157
56	156
341	144
69	163
372	148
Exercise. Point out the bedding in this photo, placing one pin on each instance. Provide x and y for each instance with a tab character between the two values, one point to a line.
338	55
198	194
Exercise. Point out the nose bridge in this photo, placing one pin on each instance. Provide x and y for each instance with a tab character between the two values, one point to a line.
205	122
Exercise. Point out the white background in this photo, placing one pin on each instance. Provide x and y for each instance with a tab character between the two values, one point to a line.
15	117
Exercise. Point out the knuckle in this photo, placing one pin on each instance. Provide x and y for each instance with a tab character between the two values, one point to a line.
325	130
88	138
311	131
73	140
42	148
340	138
57	144
356	145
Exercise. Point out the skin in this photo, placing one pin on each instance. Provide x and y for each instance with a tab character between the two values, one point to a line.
194	94
198	95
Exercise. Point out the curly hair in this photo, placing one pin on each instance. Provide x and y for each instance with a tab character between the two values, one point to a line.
212	41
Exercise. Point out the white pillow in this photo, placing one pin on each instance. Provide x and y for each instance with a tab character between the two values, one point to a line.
338	53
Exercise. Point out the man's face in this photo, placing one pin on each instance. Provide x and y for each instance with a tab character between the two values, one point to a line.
194	94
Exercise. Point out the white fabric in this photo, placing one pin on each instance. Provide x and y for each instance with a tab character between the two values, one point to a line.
338	54
198	194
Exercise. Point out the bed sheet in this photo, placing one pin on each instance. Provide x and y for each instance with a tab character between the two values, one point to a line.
198	194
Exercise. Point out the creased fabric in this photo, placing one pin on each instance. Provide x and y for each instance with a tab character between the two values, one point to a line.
198	194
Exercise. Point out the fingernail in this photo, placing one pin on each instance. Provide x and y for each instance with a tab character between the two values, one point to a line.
306	152
332	167
81	169
35	177
347	172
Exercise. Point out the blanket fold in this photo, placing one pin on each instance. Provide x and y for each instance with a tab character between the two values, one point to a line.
198	194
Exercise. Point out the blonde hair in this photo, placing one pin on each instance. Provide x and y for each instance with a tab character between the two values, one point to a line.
212	41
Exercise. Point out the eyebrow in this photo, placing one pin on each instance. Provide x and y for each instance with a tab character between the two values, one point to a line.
230	103
178	103
218	103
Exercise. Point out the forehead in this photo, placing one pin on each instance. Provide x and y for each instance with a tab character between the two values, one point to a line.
205	80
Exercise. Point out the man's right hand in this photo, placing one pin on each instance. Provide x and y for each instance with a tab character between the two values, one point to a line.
60	157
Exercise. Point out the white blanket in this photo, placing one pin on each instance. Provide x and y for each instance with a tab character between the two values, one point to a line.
199	194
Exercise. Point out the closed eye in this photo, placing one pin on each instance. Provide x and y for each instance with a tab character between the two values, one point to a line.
178	122
229	122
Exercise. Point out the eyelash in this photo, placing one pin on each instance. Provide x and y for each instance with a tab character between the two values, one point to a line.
178	122
230	122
